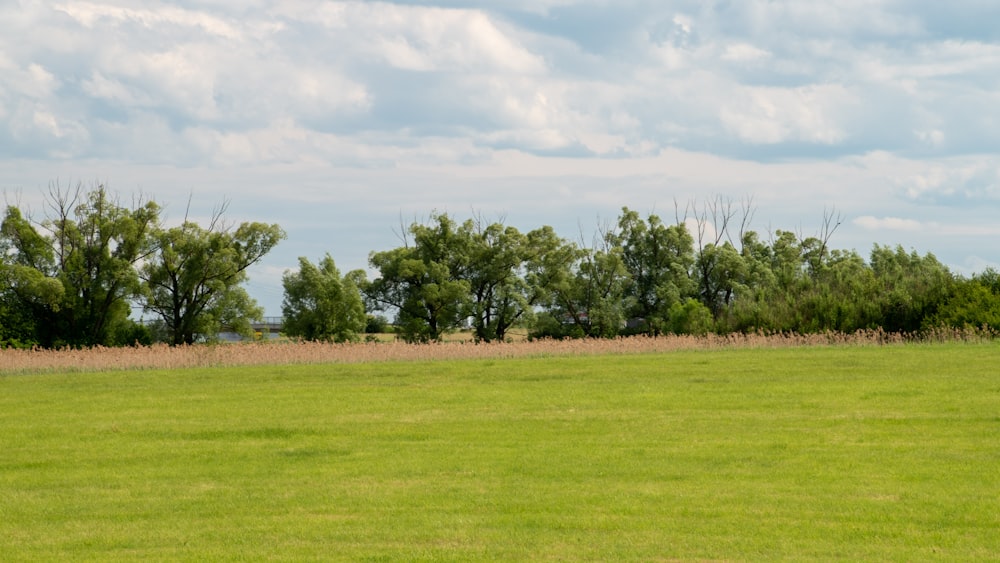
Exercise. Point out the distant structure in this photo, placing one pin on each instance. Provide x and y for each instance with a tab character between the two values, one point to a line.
268	326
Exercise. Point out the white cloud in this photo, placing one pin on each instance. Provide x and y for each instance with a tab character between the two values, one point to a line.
744	53
775	115
418	38
953	181
93	15
887	223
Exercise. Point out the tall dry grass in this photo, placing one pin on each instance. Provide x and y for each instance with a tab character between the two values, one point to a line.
161	356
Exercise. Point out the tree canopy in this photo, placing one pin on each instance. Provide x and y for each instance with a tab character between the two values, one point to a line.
74	273
321	305
193	278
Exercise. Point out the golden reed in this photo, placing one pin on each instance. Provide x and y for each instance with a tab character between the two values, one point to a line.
161	356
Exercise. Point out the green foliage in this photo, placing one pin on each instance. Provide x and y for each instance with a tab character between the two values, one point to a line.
911	287
377	324
425	283
499	295
89	245
27	299
193	279
972	303
601	280
720	270
71	278
658	259
585	288
428	300
18	328
321	305
549	274
690	317
640	275
131	333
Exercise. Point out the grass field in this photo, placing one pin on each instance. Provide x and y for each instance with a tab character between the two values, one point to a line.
821	453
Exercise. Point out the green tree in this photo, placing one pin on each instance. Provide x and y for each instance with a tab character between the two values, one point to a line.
720	270
321	305
90	244
753	309
658	259
28	298
600	288
424	282
972	303
583	289
911	287
500	296
549	273
193	280
843	296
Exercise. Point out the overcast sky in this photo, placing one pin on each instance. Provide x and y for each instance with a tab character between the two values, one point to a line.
339	119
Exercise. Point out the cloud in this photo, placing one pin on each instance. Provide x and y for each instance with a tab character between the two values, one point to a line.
955	181
744	53
95	14
750	80
417	38
887	223
778	115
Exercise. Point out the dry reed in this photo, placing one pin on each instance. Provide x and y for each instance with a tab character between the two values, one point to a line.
161	356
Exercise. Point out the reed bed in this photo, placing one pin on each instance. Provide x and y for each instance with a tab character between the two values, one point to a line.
162	356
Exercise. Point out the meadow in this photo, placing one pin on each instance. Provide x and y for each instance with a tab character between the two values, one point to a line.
753	452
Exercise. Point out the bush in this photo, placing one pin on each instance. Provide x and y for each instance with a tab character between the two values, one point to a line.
377	324
131	333
691	317
548	326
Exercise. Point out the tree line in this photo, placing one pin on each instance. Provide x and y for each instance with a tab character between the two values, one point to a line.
72	276
708	271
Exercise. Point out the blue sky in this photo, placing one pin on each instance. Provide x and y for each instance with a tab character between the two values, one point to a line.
338	120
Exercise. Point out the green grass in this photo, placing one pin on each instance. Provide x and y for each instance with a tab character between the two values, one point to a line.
791	454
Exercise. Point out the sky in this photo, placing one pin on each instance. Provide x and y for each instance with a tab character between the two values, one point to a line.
341	121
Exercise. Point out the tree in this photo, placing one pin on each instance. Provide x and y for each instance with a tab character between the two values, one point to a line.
658	259
911	287
690	317
601	280
753	309
321	305
972	303
193	279
582	288
721	270
89	244
28	301
549	273
499	295
424	282
27	295
843	297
